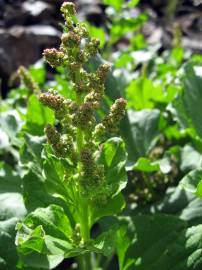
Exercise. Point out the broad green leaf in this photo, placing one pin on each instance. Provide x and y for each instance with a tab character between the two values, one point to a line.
9	179
125	24
10	126
31	154
62	86
123	242
144	131
38	73
143	93
190	158
12	209
192	182
146	165
157	242
114	205
44	239
45	236
38	116
113	156
187	106
42	176
181	203
105	243
12	205
164	242
8	253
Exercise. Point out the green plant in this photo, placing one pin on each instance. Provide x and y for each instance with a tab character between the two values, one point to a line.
64	190
81	161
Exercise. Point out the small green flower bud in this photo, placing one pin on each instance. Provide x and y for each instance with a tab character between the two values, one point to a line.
83	118
62	145
93	46
27	80
82	57
68	8
94	98
94	81
53	137
52	100
118	108
70	40
81	30
116	113
54	57
102	71
99	131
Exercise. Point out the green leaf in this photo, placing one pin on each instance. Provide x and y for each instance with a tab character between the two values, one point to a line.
37	116
38	73
143	93
8	253
190	158
97	32
124	24
10	126
113	156
192	182
62	86
117	4
105	243
114	205
181	203
164	242
132	3
31	154
11	210
146	165
157	242
144	131
187	106
123	242
45	237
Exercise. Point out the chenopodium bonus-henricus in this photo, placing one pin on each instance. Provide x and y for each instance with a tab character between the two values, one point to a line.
98	162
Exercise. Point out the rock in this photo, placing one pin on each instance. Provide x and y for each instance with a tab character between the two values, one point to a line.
40	10
13	14
23	46
44	35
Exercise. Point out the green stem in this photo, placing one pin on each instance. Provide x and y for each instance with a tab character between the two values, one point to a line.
79	140
84	221
84	262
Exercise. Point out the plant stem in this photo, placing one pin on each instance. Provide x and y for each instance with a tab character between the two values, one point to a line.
85	231
84	262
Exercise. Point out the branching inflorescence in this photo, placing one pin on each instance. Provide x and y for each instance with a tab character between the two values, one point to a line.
77	136
80	135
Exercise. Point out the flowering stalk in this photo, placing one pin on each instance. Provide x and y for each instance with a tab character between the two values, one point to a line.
79	137
28	80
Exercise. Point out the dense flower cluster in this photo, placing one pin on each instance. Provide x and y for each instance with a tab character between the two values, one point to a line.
79	136
27	80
